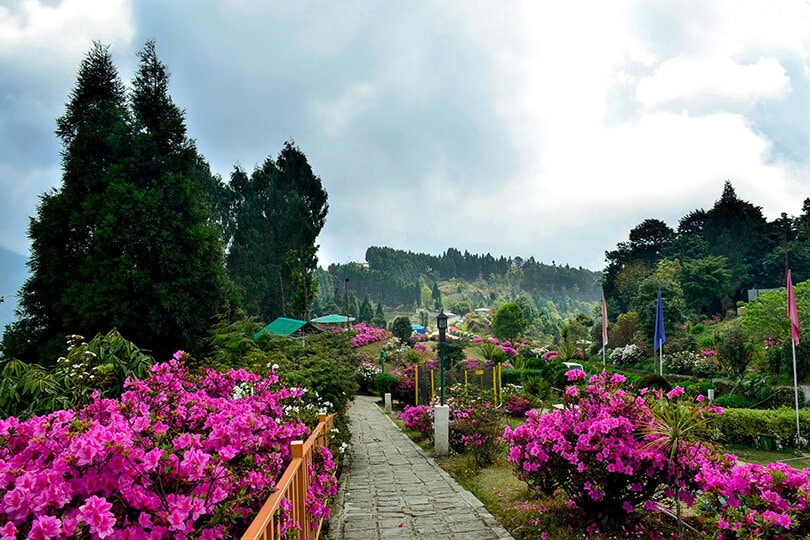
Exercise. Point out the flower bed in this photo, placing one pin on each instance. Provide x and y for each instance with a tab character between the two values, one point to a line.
177	456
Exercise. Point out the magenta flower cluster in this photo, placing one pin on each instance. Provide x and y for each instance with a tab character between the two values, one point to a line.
591	449
177	456
366	334
754	501
418	418
604	452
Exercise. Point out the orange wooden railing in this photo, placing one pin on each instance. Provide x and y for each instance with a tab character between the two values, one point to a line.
293	486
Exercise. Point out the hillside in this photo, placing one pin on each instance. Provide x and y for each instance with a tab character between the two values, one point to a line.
406	282
13	273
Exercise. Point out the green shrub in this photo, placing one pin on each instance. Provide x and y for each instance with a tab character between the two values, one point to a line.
536	385
744	426
735	401
699	328
385	383
654	381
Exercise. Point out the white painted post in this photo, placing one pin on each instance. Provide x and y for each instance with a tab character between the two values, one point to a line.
441	433
710	391
388	402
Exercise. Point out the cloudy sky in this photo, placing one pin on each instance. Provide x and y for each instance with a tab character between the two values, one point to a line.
518	128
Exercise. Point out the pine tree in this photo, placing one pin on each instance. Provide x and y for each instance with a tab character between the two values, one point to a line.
366	312
379	317
94	132
279	210
127	241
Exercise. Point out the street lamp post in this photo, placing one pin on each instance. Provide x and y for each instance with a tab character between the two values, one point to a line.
441	324
441	414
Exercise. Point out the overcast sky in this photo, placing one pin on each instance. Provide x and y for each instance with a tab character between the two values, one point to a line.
518	128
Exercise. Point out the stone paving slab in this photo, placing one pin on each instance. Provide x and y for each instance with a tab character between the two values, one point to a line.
391	488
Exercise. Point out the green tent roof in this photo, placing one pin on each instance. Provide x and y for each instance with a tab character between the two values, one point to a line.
332	319
285	327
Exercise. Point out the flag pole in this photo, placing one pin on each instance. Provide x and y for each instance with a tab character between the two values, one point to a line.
604	329
793	316
796	395
660	336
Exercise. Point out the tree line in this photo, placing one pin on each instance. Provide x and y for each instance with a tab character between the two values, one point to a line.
708	263
142	237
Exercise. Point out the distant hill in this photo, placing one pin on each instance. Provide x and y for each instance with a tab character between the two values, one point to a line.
13	273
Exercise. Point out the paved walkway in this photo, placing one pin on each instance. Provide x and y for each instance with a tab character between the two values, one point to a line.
392	489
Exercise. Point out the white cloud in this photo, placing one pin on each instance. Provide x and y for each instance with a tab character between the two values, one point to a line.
53	35
718	80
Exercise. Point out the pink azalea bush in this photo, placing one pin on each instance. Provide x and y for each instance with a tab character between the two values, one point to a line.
517	405
366	334
594	452
418	418
472	364
476	428
754	501
177	456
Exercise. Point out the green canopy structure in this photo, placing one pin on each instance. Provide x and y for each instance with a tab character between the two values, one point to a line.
333	319
288	327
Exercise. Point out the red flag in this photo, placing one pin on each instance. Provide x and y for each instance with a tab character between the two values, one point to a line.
604	321
792	312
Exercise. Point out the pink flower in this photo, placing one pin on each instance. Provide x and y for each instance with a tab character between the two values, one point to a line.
44	528
8	531
96	513
575	374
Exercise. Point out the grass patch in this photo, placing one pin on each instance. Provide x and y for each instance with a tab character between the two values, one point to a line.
791	457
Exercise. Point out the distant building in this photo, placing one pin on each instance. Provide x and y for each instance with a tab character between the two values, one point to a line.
753	294
288	327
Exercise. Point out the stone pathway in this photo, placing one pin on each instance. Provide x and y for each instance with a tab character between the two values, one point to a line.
392	489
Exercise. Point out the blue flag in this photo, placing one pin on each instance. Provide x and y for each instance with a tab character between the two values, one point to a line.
660	336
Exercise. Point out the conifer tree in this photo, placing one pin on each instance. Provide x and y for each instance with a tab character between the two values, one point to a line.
126	242
94	132
279	210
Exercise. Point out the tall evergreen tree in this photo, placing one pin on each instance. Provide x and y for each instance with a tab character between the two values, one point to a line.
94	132
138	250
366	311
279	210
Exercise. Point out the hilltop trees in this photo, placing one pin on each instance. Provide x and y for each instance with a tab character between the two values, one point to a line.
714	255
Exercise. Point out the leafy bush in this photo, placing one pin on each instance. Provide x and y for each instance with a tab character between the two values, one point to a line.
324	364
627	355
386	382
402	329
100	365
367	372
744	426
536	385
734	352
654	381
